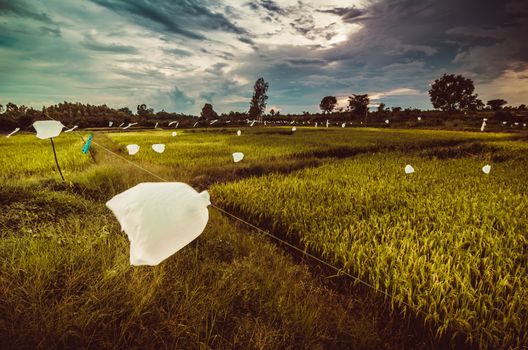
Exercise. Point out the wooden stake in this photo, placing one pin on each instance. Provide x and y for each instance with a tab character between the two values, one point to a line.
55	155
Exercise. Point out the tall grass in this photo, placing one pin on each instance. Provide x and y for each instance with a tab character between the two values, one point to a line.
65	279
23	155
448	239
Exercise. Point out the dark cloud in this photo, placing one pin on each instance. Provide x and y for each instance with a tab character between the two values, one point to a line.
348	14
249	41
20	8
178	52
442	33
216	68
272	6
7	41
305	25
93	44
139	49
305	61
55	32
183	18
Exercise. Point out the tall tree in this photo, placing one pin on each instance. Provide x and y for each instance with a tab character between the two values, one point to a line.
381	107
496	104
258	101
475	104
453	92
359	105
328	104
208	111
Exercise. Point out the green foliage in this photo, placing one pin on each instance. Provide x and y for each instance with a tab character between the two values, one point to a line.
496	104
208	111
452	93
328	104
359	104
258	101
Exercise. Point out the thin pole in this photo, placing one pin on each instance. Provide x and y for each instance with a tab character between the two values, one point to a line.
55	155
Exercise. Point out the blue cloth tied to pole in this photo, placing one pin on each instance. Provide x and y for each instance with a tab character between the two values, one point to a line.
86	147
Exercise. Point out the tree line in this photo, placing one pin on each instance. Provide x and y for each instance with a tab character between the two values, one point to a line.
450	93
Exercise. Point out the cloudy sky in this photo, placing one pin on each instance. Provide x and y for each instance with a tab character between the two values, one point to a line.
179	54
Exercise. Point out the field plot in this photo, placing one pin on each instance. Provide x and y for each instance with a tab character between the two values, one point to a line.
205	156
448	240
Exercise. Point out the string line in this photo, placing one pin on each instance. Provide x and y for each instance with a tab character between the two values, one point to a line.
321	261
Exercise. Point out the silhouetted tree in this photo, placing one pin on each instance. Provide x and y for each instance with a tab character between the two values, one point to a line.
126	110
272	112
475	105
496	104
143	112
522	107
208	111
258	101
359	105
328	104
453	92
381	107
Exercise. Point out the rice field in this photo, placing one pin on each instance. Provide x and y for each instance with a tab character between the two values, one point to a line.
448	240
447	243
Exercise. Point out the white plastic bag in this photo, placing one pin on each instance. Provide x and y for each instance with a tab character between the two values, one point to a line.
132	149
160	218
158	147
238	156
48	128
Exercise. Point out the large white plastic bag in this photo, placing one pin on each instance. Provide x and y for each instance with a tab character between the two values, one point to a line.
48	128
160	218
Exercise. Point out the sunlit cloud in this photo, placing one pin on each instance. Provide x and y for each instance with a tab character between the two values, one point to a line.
179	55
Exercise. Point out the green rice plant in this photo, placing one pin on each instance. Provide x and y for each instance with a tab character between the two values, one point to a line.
448	240
24	155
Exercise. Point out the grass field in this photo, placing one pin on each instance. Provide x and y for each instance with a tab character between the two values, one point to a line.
448	240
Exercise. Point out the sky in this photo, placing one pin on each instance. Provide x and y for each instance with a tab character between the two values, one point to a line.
177	55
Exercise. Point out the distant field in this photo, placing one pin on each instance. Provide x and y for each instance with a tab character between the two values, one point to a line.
448	240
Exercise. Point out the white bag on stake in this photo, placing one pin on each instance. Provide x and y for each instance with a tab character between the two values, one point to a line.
48	128
160	218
